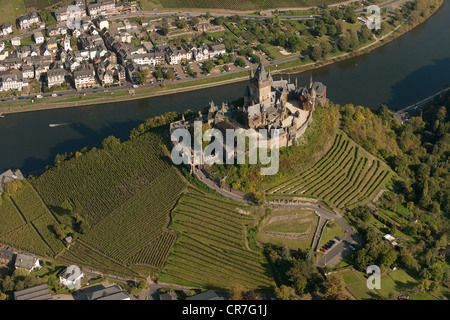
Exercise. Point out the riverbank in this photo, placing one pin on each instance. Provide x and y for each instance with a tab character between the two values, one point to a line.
294	65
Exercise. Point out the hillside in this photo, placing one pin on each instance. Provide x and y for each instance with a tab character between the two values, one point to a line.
244	5
345	177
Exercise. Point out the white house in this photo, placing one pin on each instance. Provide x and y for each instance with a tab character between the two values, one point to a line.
6	28
55	77
27	262
38	37
71	277
16	41
12	81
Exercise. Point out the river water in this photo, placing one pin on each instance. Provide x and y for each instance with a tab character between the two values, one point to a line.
396	74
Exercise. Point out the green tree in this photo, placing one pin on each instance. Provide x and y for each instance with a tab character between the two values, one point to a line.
316	53
165	28
236	292
285	293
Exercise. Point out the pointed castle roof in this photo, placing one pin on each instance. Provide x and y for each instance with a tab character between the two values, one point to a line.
260	73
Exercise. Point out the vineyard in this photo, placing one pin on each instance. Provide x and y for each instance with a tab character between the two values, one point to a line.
27	224
94	184
243	5
345	177
210	250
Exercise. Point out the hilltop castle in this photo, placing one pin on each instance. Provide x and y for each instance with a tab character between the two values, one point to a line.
268	104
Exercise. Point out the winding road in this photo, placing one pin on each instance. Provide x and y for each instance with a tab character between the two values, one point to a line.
334	255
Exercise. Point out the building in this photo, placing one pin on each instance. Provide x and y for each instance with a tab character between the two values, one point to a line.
85	78
6	29
101	7
66	43
207	295
16	41
27	21
215	50
170	295
6	255
28	71
26	261
38	37
312	95
12	81
56	77
114	292
71	277
40	292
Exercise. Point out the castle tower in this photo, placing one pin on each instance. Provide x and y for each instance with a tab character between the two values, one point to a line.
260	85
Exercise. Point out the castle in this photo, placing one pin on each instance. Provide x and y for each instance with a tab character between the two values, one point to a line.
268	104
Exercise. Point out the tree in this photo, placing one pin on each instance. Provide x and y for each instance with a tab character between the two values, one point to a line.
142	285
316	53
195	21
182	24
170	74
334	286
251	295
236	292
159	73
58	231
285	293
165	28
208	66
142	75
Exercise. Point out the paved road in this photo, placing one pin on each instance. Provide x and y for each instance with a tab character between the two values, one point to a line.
332	256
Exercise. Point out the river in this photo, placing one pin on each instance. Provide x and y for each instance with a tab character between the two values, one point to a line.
396	74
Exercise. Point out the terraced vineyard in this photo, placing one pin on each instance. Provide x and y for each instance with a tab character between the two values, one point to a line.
97	182
346	176
210	249
26	223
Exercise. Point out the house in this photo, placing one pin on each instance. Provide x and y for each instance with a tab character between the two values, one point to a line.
27	21
102	23
12	81
6	255
26	261
391	239
56	77
170	295
16	41
6	28
27	72
85	78
39	292
101	7
38	37
71	277
207	295
114	292
215	50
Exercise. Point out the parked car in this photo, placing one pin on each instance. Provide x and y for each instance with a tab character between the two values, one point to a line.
352	247
323	249
39	96
338	238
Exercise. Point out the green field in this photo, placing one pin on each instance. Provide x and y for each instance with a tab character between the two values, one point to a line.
345	177
210	249
11	9
394	283
332	230
244	5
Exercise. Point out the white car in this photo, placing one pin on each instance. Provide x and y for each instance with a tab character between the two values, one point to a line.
39	96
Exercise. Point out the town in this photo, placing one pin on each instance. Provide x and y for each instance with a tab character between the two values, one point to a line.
93	51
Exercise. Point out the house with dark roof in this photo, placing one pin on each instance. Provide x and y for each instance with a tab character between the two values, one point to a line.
114	292
40	292
207	295
6	255
26	261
